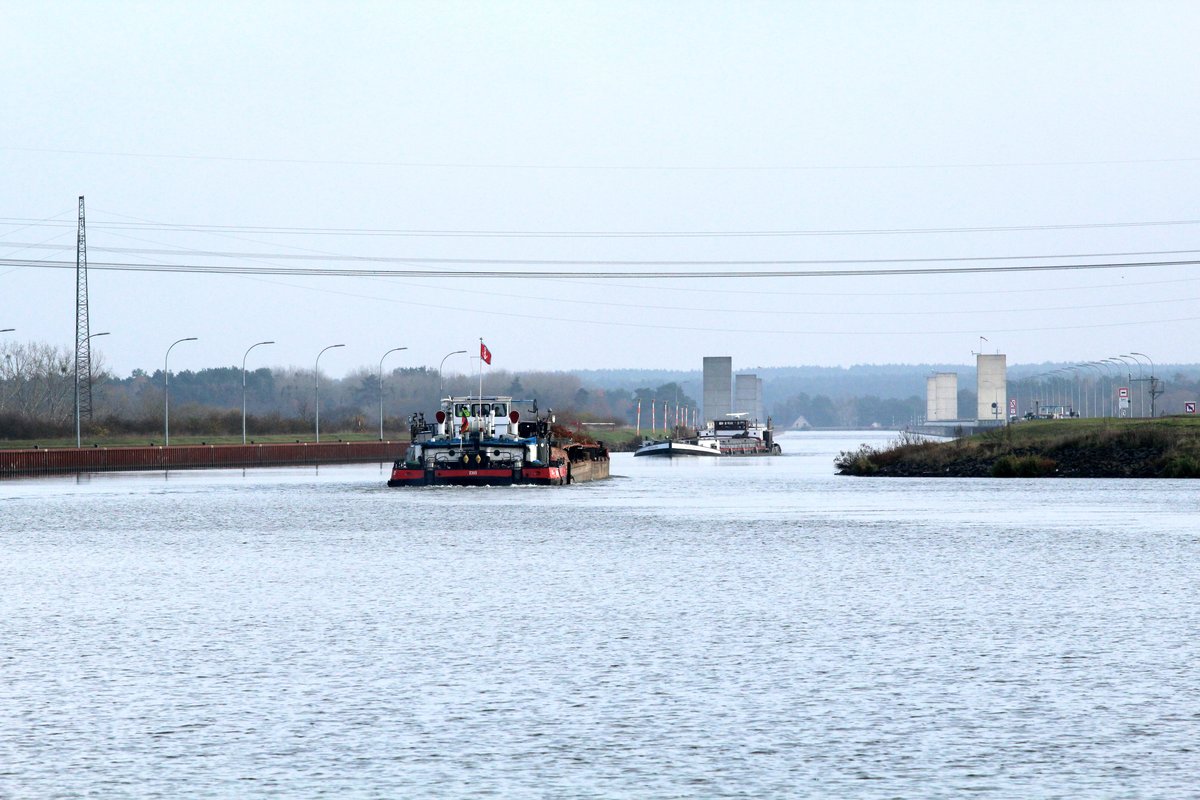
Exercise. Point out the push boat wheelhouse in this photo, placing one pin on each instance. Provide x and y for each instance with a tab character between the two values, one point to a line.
484	441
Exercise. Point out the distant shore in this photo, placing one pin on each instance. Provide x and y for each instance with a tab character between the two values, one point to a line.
1168	447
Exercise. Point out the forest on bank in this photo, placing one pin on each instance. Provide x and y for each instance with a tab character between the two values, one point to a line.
37	396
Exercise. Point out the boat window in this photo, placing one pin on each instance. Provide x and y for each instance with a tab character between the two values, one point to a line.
461	410
501	409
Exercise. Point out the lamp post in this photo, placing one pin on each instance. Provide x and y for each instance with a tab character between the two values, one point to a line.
455	353
1153	395
317	375
1060	381
1108	392
167	391
1117	366
1081	374
1071	377
1097	410
385	355
1065	380
1129	378
1059	386
78	437
1075	392
248	349
1141	387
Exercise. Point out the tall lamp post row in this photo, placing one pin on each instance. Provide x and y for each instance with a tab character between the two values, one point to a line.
1106	369
316	370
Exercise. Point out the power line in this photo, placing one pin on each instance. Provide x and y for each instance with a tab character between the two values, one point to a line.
591	262
586	234
723	290
544	274
832	311
602	167
726	329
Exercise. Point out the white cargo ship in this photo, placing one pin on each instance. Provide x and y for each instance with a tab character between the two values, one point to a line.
722	437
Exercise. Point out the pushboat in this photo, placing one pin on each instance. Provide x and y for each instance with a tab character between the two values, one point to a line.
484	441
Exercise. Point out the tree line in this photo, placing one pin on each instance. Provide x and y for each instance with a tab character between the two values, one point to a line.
37	397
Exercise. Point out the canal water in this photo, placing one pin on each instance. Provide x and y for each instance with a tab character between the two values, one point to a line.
737	628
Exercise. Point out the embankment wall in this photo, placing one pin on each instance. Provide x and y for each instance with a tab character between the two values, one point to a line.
39	461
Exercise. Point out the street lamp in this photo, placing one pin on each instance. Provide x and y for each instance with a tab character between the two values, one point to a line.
317	375
1141	386
1106	393
1097	409
1117	367
248	349
78	438
1060	389
455	353
1050	387
1152	386
167	391
1129	377
385	355
1075	392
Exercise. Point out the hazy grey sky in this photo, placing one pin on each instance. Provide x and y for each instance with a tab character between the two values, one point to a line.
1061	123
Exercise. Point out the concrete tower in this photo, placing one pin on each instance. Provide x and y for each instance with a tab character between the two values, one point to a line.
941	397
718	386
992	387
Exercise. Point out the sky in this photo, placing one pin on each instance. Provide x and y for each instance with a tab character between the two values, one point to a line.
622	151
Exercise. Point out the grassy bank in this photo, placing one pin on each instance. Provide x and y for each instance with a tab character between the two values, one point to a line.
1167	447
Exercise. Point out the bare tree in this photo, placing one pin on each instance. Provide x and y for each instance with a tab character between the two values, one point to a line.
37	381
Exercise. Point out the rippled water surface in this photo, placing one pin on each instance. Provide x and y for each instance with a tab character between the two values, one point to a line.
737	628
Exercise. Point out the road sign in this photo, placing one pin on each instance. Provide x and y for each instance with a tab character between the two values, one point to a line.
1123	392
1189	408
1012	406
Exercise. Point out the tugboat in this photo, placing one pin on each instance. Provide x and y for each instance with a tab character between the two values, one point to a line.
482	441
722	437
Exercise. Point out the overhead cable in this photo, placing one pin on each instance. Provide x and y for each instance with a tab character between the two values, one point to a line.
234	269
594	234
591	262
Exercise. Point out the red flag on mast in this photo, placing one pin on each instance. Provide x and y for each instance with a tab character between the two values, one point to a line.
484	353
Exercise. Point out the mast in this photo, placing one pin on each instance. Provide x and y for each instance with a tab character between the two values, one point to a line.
83	352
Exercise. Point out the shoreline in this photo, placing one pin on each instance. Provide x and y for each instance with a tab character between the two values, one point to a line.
1167	447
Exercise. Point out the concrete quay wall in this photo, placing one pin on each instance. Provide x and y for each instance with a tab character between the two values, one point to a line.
39	461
